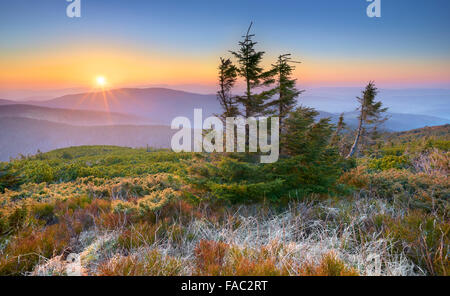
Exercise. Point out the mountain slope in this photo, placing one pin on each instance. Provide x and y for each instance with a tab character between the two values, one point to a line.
397	121
435	132
431	102
26	136
6	102
73	117
159	105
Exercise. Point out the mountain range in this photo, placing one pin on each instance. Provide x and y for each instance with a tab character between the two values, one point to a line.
159	105
138	117
26	136
69	116
396	121
431	102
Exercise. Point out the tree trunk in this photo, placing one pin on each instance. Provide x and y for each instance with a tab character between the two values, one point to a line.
358	136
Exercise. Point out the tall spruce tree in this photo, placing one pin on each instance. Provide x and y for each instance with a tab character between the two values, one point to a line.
254	76
227	80
370	114
286	90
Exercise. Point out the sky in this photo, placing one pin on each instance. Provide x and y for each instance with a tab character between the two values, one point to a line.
145	43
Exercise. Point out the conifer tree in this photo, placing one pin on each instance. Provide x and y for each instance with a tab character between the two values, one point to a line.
309	164
254	76
7	179
370	114
227	80
286	90
306	136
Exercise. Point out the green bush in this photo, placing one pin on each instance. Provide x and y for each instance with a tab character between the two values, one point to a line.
44	212
425	239
390	162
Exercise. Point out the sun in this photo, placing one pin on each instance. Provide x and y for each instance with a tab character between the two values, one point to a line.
101	81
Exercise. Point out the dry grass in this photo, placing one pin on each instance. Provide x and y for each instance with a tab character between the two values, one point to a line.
307	239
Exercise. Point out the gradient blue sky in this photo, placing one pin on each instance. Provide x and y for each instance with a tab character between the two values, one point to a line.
181	41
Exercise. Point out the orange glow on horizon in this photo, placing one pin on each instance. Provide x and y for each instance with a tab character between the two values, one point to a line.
125	67
68	68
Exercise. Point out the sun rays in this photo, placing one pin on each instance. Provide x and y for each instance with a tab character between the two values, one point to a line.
99	97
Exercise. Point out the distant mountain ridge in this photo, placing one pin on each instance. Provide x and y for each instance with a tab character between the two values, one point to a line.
442	131
396	121
159	105
6	102
162	105
135	117
67	116
430	102
26	136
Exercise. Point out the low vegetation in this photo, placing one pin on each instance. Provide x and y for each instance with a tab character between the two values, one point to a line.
131	212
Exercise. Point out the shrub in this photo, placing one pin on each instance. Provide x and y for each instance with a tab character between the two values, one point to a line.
66	155
260	262
248	192
112	221
329	265
209	257
148	263
216	258
139	235
44	212
235	181
390	162
156	200
433	162
42	172
413	190
424	238
29	247
18	218
8	179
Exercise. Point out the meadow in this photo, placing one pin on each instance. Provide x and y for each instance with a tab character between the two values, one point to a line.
125	211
